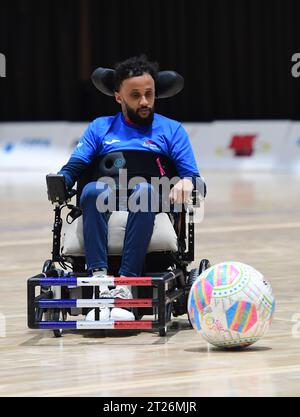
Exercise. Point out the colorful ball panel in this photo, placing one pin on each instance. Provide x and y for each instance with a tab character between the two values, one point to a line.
241	316
231	304
202	294
223	274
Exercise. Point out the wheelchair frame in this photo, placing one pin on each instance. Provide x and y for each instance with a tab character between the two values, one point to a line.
170	288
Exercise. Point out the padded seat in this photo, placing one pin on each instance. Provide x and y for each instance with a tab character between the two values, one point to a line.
163	239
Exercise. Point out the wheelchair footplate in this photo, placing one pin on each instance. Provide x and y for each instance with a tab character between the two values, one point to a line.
165	290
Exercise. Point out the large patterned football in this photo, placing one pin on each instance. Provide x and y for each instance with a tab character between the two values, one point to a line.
231	304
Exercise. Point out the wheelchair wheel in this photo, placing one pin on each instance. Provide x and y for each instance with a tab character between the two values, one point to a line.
163	331
56	315
204	264
193	275
38	314
45	294
48	265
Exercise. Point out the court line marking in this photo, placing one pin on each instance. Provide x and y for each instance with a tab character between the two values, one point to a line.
223	229
112	387
252	227
25	242
13	316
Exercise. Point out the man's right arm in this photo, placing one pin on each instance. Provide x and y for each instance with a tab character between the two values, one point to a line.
82	156
72	170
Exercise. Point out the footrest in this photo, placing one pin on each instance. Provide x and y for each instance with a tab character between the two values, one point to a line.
101	325
94	303
164	293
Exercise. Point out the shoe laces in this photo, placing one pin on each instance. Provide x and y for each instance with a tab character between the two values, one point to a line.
121	292
105	292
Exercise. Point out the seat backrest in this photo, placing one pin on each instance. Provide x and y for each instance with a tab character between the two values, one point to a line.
137	163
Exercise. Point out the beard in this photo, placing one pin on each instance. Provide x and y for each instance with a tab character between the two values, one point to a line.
134	117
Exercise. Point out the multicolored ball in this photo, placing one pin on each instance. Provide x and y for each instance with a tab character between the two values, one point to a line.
231	304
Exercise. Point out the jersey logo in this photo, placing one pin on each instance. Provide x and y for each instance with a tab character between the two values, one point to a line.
150	144
109	142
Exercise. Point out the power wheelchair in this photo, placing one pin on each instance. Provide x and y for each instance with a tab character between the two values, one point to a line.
65	290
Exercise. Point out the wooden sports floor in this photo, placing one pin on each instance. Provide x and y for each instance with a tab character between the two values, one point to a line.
252	218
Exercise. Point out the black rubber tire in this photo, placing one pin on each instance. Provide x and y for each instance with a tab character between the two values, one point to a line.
193	275
169	309
63	315
56	332
204	264
54	315
38	314
48	265
163	331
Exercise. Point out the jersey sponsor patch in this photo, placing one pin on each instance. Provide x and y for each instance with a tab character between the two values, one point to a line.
110	142
150	144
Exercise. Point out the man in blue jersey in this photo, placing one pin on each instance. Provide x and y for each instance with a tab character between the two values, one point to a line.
145	138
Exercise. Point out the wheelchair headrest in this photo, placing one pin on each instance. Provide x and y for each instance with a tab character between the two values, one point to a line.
168	83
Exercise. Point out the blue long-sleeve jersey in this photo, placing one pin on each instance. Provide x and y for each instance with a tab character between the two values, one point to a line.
112	133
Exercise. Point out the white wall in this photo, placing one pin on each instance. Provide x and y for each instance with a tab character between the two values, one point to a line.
271	145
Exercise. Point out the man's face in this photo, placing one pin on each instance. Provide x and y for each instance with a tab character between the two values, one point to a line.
136	96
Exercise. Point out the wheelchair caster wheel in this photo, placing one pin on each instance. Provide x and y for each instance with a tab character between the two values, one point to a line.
163	331
204	264
54	315
48	265
59	315
38	314
193	275
169	309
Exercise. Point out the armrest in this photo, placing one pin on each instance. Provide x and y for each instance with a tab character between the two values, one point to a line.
200	188
57	189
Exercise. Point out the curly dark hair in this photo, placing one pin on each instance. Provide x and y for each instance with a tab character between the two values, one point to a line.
134	67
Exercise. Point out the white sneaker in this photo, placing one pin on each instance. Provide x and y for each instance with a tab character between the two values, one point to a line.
121	314
117	313
121	291
104	314
100	272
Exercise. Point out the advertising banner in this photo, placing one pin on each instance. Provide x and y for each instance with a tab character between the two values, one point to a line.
221	145
37	146
289	158
239	145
